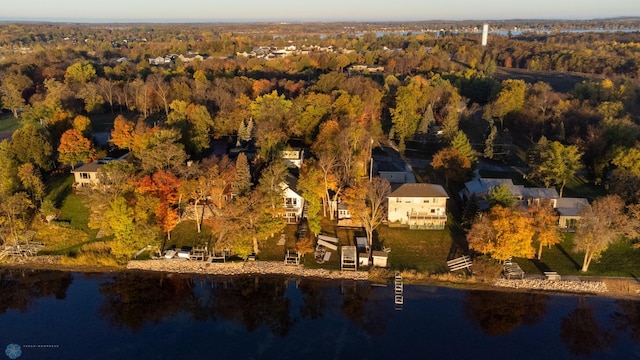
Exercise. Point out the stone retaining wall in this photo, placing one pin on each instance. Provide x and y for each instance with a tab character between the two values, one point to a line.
236	268
572	286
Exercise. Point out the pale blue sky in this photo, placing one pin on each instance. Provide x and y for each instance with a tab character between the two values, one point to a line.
308	10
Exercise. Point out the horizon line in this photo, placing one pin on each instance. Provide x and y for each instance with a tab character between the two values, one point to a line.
281	21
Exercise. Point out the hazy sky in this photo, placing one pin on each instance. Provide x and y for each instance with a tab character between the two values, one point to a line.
325	10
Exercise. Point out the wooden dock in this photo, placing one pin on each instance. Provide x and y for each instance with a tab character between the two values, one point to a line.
398	285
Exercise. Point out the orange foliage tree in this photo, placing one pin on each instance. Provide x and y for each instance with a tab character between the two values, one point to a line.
75	148
164	186
122	134
503	233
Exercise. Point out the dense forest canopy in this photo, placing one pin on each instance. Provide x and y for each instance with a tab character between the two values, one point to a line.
337	88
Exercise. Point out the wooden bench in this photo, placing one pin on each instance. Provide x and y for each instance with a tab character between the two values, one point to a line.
459	263
552	275
328	245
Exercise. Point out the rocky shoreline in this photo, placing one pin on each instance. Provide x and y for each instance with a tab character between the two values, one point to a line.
597	287
243	268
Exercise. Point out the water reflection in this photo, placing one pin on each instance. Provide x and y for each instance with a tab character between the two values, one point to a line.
258	317
499	313
582	334
133	299
20	288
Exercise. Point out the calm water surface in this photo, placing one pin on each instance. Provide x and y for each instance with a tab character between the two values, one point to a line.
57	315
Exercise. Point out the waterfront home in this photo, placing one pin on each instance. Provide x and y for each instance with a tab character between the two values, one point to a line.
569	212
527	196
418	206
293	202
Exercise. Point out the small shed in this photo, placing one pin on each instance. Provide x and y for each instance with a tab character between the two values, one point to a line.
380	258
349	258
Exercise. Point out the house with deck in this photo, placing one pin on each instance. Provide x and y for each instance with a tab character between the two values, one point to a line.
418	206
293	202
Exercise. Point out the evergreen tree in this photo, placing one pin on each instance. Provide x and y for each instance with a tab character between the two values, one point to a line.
461	143
243	175
489	141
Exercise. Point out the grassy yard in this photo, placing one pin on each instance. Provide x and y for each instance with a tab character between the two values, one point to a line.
618	260
422	250
9	124
71	230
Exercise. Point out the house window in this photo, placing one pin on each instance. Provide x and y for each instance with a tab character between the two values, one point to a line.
85	176
433	211
290	202
426	201
435	200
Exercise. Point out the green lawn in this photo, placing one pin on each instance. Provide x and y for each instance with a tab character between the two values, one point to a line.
618	260
422	250
9	124
186	234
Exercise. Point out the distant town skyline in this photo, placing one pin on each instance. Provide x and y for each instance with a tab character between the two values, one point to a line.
295	10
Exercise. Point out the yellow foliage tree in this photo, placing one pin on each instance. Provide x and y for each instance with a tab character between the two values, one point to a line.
545	222
503	233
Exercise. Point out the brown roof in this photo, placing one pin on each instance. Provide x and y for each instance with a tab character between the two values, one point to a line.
89	168
419	190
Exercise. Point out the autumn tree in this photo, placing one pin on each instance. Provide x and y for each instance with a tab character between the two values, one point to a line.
159	149
194	123
31	181
9	180
555	164
509	100
269	112
82	124
75	148
313	191
502	233
12	90
410	106
452	164
368	204
601	223
13	216
115	178
123	133
30	145
545	222
164	187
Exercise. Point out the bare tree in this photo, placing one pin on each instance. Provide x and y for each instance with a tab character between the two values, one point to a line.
367	203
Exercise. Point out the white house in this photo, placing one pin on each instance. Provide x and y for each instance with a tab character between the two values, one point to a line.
293	202
418	206
87	174
293	157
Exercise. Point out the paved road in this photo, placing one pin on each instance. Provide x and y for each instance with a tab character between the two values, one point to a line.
5	135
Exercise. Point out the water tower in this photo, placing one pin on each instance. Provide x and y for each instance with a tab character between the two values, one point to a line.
485	33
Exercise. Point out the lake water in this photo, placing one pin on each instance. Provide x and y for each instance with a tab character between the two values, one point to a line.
57	315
